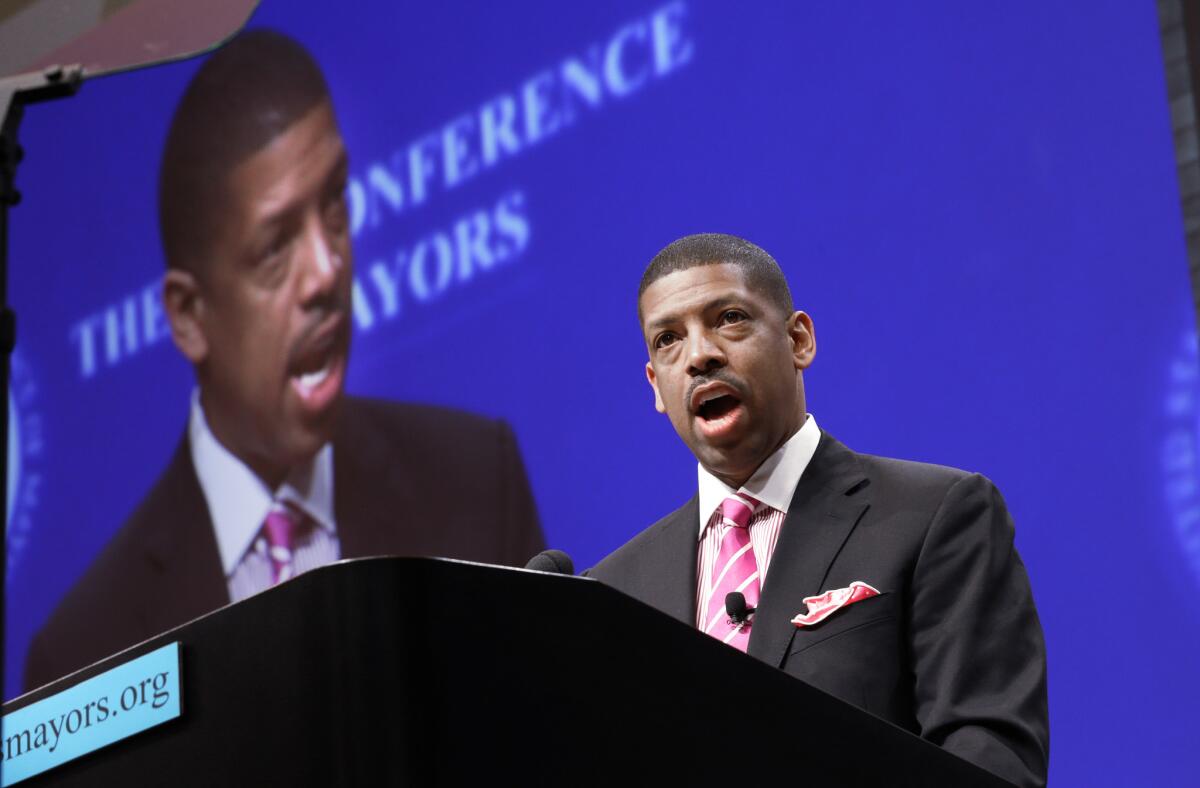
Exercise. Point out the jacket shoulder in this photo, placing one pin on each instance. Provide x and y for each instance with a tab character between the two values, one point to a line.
920	484
119	565
372	418
631	559
97	615
464	468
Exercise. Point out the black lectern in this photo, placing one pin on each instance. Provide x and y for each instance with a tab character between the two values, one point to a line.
411	671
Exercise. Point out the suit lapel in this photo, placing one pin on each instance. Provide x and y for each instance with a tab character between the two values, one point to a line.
671	558
828	502
182	548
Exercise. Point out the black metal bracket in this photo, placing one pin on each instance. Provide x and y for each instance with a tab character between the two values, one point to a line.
15	93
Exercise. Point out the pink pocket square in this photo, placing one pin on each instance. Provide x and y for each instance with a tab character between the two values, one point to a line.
823	606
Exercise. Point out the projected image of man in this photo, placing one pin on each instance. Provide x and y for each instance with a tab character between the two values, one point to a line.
278	471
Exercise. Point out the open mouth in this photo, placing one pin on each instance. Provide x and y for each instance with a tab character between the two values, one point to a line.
718	410
315	373
307	381
718	406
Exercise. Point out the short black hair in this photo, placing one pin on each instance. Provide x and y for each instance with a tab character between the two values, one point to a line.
760	270
247	93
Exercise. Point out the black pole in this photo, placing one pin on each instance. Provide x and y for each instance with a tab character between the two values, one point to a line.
15	93
1191	33
10	157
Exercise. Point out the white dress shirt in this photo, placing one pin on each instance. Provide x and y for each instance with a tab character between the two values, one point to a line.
238	502
772	485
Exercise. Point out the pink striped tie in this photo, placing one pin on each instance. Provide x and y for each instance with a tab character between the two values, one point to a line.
281	527
734	570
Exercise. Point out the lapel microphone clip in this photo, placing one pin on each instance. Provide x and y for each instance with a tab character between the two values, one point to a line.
739	612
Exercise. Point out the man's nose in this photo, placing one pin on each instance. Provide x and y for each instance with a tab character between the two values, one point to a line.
703	353
323	263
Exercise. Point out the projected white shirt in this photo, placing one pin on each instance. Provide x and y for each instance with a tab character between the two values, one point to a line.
238	502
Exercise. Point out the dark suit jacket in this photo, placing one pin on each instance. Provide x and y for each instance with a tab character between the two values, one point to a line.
951	649
408	480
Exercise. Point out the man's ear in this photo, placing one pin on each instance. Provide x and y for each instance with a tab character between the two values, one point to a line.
658	403
184	306
804	341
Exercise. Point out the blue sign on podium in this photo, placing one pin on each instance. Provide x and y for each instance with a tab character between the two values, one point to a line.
123	701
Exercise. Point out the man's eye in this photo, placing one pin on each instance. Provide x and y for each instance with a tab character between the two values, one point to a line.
664	340
272	250
732	316
272	258
337	215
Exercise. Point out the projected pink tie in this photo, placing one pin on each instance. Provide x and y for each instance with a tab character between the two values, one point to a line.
734	570
280	528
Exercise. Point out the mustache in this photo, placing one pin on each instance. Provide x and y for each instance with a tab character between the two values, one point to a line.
324	330
719	375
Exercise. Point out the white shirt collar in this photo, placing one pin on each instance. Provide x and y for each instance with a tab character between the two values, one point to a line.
238	501
773	483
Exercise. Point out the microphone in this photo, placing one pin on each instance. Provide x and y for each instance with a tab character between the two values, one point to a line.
735	606
555	561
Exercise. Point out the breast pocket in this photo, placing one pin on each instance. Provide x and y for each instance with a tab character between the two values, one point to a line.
856	654
872	612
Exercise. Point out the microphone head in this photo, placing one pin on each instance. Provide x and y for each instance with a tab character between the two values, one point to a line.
735	606
555	561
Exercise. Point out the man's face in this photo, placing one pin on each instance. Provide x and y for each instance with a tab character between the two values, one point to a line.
725	366
267	318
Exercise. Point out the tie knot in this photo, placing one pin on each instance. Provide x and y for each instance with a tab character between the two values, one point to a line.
736	510
281	525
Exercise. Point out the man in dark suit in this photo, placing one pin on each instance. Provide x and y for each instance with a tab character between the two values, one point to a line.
278	472
938	634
